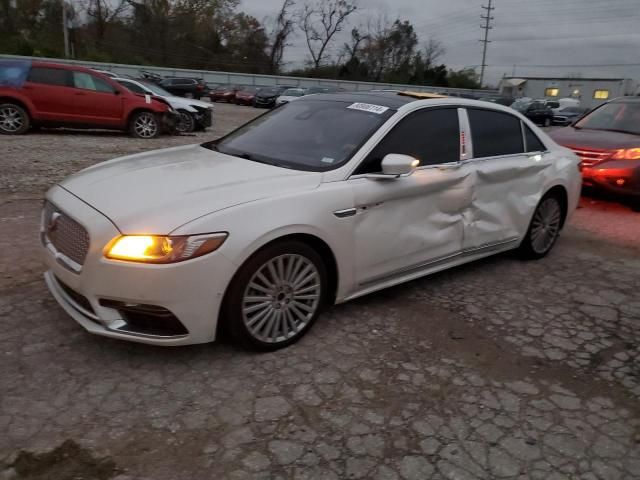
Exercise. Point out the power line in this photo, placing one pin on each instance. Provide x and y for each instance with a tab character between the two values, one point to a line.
487	26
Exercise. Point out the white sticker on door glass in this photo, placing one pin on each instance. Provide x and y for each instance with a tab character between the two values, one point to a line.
368	107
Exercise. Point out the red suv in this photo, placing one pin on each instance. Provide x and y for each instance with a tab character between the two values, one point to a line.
48	94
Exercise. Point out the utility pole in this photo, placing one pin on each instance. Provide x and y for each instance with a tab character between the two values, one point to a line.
487	26
65	30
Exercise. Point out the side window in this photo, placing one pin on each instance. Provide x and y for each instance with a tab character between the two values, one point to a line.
533	142
134	88
430	135
494	133
49	76
89	82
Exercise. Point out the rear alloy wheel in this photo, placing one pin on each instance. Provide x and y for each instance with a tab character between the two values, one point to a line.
186	123
14	120
276	296
544	229
145	125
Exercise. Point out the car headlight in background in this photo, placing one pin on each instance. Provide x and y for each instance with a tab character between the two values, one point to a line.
626	154
163	249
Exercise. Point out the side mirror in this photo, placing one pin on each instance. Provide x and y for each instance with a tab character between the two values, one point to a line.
395	165
398	165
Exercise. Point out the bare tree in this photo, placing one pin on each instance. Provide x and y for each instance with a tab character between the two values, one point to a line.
433	50
282	29
320	23
352	48
104	13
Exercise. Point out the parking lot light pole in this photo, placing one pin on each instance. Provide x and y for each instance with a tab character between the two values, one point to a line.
65	30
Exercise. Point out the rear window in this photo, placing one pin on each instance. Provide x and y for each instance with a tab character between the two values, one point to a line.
49	76
494	133
13	73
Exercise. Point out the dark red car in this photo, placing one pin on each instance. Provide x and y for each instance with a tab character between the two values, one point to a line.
608	142
224	93
53	95
246	95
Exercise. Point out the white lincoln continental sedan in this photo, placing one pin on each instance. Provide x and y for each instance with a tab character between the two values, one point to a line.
319	201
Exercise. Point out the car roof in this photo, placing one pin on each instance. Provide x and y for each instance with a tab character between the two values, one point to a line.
385	99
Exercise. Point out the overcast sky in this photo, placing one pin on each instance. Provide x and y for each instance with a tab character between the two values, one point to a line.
580	35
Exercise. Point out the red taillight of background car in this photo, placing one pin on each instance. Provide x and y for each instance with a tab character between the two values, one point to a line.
199	87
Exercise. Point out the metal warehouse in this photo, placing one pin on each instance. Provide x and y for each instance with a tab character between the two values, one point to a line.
590	91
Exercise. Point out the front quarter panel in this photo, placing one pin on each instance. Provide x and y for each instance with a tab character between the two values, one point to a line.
253	225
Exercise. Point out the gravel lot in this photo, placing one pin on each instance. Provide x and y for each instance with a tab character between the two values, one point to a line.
498	369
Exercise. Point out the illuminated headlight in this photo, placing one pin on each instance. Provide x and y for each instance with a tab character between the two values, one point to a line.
162	249
626	154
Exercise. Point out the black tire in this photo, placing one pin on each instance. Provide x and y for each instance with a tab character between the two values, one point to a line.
543	232
139	120
186	123
239	292
14	120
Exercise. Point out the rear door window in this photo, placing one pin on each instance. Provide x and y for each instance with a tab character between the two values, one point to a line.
49	76
494	133
533	142
432	135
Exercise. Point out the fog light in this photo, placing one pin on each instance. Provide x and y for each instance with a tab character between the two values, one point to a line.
620	182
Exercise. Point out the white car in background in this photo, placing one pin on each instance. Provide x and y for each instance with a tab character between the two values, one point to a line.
320	201
194	114
289	95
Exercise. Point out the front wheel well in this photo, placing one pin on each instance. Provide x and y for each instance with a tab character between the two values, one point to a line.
323	250
135	111
316	243
561	194
20	103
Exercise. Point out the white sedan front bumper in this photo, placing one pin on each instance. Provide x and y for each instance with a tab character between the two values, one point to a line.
175	304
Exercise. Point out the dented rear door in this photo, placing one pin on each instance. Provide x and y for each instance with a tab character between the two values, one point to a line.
508	180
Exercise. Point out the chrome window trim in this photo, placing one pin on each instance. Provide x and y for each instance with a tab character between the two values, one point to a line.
388	126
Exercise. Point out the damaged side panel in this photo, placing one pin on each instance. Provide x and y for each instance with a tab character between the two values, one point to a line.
408	221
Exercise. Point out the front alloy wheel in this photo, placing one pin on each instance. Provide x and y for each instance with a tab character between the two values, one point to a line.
145	125
276	296
544	229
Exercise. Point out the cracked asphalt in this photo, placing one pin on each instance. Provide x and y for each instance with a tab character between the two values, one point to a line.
496	369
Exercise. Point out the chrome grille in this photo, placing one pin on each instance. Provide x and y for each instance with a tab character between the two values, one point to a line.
588	158
66	235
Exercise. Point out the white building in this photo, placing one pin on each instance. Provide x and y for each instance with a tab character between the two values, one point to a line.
590	91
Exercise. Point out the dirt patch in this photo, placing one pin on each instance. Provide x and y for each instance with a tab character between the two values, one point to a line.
69	461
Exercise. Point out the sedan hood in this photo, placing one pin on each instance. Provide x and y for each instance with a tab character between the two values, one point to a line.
158	191
594	139
180	102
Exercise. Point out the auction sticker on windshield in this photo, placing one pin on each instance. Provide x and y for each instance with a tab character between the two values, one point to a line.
368	107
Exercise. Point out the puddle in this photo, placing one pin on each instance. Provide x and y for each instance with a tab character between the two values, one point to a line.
68	461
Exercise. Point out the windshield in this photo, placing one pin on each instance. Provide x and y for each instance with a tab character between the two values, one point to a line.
617	117
520	106
309	135
156	89
271	91
293	92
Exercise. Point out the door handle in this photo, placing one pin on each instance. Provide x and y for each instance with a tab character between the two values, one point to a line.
346	212
79	94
